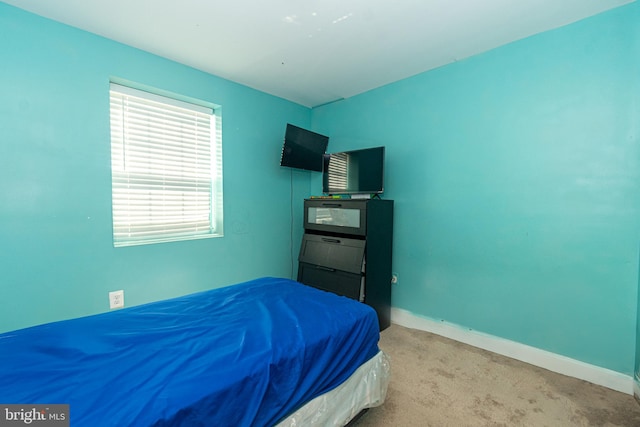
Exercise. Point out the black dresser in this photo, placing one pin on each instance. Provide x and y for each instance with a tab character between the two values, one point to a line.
347	249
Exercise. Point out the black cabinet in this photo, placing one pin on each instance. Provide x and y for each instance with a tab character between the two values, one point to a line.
347	248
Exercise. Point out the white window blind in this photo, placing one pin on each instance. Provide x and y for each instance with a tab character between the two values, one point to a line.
339	171
166	162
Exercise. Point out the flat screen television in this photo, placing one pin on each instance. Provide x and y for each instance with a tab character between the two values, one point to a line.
303	149
354	172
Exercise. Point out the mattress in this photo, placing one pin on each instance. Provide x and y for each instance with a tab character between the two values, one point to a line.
365	388
249	354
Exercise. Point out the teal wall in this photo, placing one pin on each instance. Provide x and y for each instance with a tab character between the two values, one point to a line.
57	259
516	176
636	89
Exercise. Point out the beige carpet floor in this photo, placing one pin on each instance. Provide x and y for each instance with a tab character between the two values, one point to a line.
440	382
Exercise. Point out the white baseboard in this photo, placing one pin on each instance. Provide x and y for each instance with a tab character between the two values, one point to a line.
532	355
636	388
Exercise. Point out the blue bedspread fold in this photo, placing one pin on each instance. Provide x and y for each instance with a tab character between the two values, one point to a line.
243	355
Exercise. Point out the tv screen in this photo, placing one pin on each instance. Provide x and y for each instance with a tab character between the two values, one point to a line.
354	172
303	149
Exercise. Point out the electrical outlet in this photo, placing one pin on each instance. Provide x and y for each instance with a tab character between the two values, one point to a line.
116	299
394	278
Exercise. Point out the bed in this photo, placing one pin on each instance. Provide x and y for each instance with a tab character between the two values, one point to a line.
266	352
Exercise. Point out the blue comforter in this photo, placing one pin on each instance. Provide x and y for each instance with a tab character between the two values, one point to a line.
243	355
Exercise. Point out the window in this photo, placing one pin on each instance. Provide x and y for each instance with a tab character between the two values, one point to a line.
166	168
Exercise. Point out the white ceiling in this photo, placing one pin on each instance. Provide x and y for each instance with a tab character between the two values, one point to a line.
315	51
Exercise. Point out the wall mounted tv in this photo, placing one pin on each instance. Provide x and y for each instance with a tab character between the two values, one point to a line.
354	172
303	149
